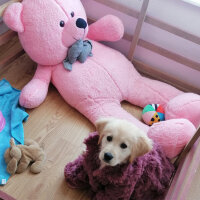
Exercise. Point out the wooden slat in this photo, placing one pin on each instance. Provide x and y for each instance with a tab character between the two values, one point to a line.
119	7
187	148
168	54
151	72
4	6
5	37
150	20
185	176
172	29
138	29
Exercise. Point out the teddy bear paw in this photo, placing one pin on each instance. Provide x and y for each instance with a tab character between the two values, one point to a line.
33	94
186	105
172	135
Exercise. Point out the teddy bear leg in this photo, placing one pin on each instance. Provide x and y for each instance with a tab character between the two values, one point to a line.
112	109
186	106
38	165
144	91
172	135
23	164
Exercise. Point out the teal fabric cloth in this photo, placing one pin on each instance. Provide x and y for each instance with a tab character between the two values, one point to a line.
11	117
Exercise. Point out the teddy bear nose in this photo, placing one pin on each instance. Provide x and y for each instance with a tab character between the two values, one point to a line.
108	157
81	23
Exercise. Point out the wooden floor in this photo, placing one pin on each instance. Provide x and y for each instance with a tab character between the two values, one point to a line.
60	128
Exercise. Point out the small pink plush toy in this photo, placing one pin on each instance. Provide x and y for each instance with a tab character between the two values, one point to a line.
48	28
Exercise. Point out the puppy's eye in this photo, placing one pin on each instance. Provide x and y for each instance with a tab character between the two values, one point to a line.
72	13
123	146
62	23
109	138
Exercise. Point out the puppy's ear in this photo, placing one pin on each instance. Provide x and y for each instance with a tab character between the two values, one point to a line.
142	146
100	125
100	138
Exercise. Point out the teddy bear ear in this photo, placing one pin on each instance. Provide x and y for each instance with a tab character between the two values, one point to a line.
12	17
12	142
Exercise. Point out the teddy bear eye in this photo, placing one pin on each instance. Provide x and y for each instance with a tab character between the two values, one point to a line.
109	138
62	23
123	146
72	13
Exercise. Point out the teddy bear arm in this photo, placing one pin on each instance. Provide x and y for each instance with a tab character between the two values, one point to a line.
108	28
38	165
34	93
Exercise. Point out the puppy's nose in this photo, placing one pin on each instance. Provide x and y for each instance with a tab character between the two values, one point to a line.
81	23
108	156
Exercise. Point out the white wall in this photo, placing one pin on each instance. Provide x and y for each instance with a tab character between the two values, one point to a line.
174	12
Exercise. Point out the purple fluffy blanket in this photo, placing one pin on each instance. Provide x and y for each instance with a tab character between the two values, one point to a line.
147	178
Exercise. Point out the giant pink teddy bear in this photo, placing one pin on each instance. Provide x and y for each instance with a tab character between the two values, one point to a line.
47	28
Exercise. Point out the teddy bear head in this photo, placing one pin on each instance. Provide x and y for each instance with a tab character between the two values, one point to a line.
46	28
12	157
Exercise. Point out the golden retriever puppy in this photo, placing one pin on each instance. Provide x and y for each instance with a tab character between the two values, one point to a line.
121	141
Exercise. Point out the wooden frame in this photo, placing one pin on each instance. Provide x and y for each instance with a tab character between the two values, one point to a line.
138	28
186	165
187	148
168	54
140	66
